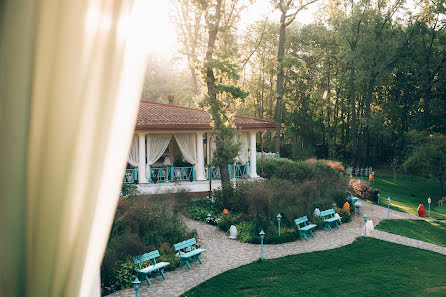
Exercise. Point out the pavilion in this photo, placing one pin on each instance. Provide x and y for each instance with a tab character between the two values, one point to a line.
172	145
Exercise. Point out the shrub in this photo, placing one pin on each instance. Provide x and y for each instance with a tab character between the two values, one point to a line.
299	171
294	189
229	219
265	199
317	221
245	231
129	190
345	217
235	201
142	224
198	209
270	165
336	165
248	233
125	274
167	254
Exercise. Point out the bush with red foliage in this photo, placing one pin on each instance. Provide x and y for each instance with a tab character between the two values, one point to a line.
362	190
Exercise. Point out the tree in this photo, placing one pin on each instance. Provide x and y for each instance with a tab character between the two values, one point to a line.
288	12
429	159
188	18
220	71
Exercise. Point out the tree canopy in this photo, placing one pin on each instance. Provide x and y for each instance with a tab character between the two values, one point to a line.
350	86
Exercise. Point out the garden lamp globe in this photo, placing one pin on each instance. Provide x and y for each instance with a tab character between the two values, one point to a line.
136	283
365	224
279	217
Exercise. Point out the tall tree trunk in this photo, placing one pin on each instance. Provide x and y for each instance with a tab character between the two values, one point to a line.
280	76
367	110
354	124
212	92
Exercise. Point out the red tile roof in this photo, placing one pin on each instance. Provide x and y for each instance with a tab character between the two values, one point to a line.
159	117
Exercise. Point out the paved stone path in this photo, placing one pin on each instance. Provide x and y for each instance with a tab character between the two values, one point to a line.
223	254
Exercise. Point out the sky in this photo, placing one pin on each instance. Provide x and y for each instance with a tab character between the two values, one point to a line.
164	38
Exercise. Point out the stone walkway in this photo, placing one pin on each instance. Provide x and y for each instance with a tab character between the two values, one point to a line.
223	254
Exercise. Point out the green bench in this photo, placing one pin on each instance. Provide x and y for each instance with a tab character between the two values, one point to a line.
305	228
328	216
156	268
354	201
188	251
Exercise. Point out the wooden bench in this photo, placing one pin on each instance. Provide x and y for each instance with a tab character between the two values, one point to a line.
156	268
188	251
328	216
354	201
306	228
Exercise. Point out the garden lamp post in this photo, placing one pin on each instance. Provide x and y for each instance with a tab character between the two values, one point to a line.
278	221
136	283
378	197
429	200
334	205
388	208
373	176
365	224
262	235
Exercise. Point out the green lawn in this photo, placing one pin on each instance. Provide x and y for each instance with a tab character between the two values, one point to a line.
367	267
401	190
433	232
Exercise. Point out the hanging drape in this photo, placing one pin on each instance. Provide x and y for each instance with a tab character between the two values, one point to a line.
243	155
134	152
187	143
71	74
156	146
212	147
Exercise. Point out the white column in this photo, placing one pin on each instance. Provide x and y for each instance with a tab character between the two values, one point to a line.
252	155
142	158
199	167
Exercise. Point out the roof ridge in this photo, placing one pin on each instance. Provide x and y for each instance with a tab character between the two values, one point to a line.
174	105
251	118
201	110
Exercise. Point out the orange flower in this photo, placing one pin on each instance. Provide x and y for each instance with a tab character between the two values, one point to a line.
347	207
225	211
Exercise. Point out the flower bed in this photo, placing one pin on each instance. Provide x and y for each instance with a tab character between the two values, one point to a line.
254	205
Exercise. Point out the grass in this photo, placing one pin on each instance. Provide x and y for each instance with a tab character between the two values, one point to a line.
367	267
402	190
433	232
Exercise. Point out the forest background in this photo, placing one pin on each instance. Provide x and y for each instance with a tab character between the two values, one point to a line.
363	82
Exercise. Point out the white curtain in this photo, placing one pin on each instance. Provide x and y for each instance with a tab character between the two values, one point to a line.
71	74
212	147
134	152
243	155
187	143
156	146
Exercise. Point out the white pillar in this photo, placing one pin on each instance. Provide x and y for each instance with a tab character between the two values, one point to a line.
199	167
142	158
252	155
